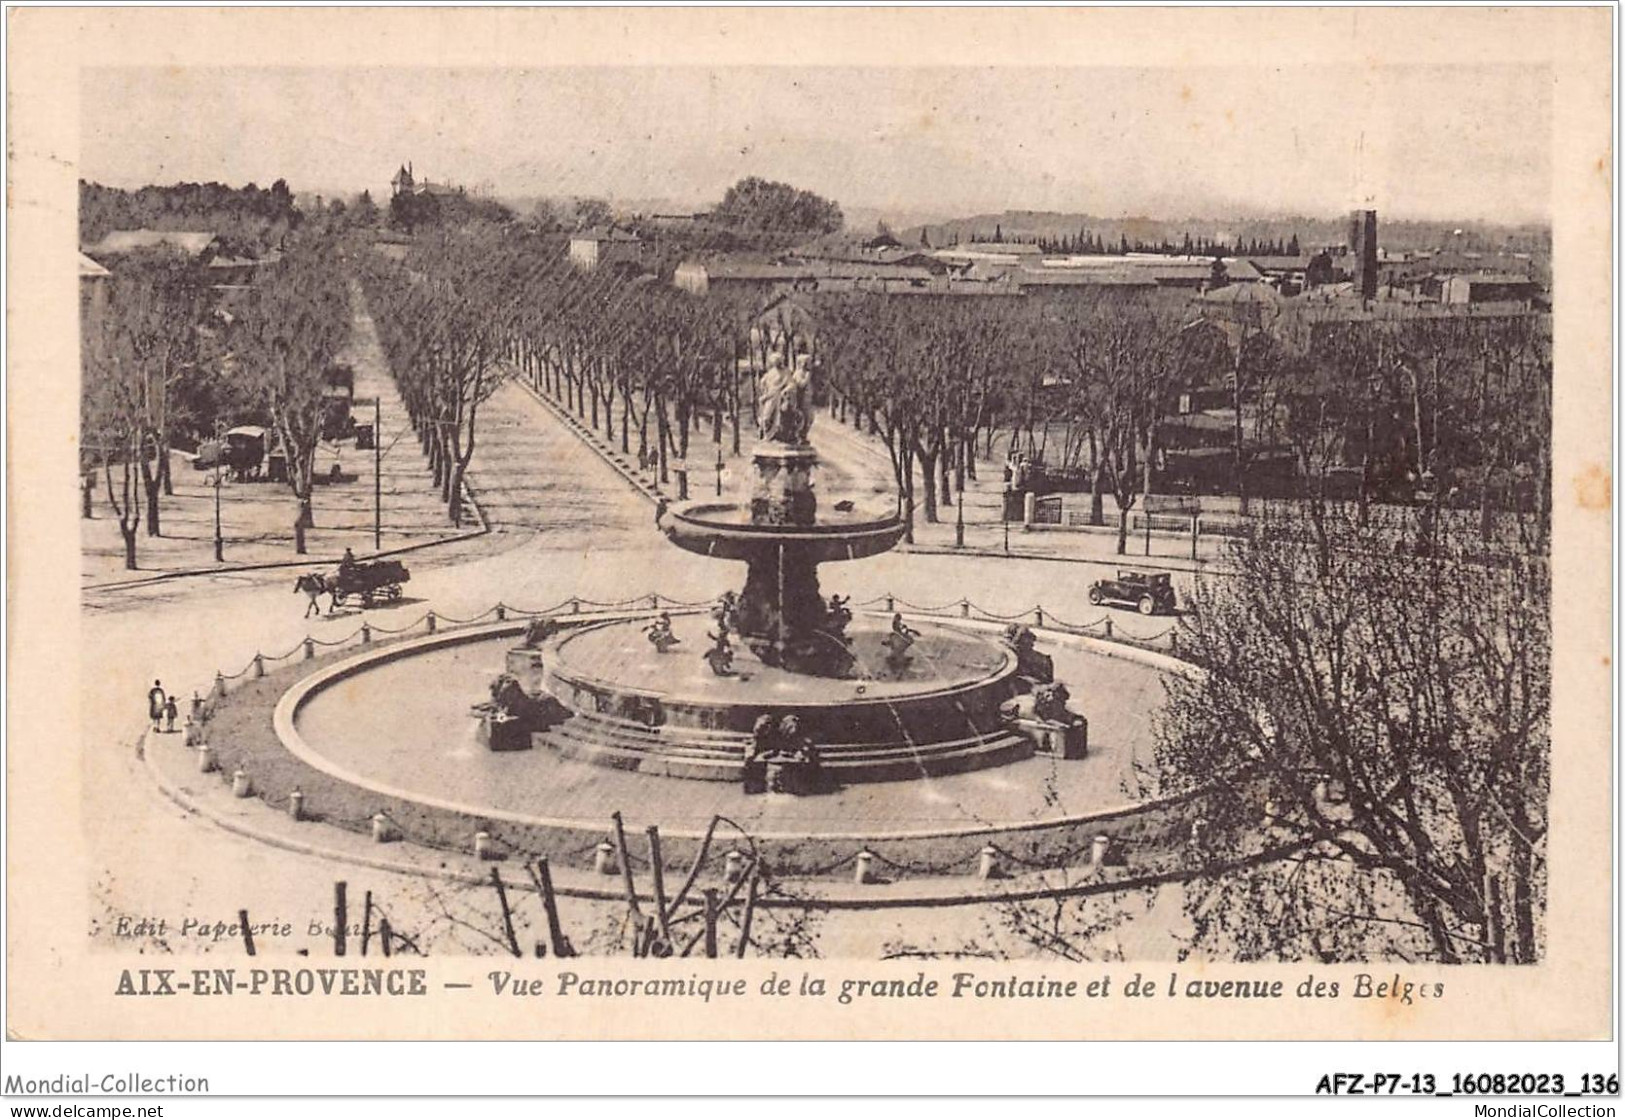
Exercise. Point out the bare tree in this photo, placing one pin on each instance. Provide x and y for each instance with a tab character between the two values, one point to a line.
287	335
1386	713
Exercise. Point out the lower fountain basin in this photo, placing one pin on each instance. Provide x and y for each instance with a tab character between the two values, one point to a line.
937	711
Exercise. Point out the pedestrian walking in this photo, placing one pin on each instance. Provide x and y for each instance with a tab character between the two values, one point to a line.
171	710
155	704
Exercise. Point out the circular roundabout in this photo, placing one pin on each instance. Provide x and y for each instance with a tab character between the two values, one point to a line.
387	734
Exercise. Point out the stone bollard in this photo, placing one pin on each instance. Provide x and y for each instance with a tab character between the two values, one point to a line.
259	665
219	683
502	613
1098	850
383	829
296	804
1038	616
964	608
891	604
654	601
482	845
1029	508
988	866
192	732
733	866
197	707
603	859
240	784
366	633
205	758
430	622
1173	642
862	868
575	606
310	649
1108	629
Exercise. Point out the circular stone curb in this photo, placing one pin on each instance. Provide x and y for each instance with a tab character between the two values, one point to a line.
1139	834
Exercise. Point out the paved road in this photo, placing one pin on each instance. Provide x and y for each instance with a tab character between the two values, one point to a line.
563	524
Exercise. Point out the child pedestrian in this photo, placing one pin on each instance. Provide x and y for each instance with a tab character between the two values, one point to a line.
170	712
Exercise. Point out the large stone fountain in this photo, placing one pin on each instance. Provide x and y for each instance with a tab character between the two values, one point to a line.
882	699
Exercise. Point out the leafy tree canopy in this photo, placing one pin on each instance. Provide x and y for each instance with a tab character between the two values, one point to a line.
759	205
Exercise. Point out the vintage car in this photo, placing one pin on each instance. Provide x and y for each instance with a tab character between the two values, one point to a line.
1147	592
338	400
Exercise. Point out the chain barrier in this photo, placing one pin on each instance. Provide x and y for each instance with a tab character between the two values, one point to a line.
1055	862
964	608
402	630
905	604
464	621
924	868
836	866
1004	617
561	607
1077	627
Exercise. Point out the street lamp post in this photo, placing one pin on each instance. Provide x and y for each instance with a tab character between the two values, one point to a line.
219	459
719	470
377	474
959	518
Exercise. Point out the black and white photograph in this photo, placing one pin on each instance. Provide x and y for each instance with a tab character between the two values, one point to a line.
1022	529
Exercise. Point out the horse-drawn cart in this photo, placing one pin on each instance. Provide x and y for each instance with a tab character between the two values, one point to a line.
381	579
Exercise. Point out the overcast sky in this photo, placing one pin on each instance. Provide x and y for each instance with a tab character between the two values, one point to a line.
1428	142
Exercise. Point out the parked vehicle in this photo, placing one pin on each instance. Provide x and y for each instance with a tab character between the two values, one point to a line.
338	400
1147	592
241	451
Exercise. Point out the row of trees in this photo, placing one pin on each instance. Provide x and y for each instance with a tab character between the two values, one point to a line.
443	316
165	366
1453	406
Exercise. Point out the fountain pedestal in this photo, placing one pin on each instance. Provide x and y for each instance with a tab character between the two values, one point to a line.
782	616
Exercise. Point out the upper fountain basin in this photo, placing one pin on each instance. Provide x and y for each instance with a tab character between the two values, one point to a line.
724	530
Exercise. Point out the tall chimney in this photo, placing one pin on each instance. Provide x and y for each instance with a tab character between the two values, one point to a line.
1363	250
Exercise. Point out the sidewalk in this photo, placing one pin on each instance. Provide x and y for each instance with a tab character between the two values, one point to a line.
256	518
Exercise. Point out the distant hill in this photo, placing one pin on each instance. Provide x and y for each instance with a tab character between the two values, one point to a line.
1312	232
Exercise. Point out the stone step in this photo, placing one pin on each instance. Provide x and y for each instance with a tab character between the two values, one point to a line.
645	754
732	743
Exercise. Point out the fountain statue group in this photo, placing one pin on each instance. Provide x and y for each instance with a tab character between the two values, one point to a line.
784	405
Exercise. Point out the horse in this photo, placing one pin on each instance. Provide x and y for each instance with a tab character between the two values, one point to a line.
315	584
